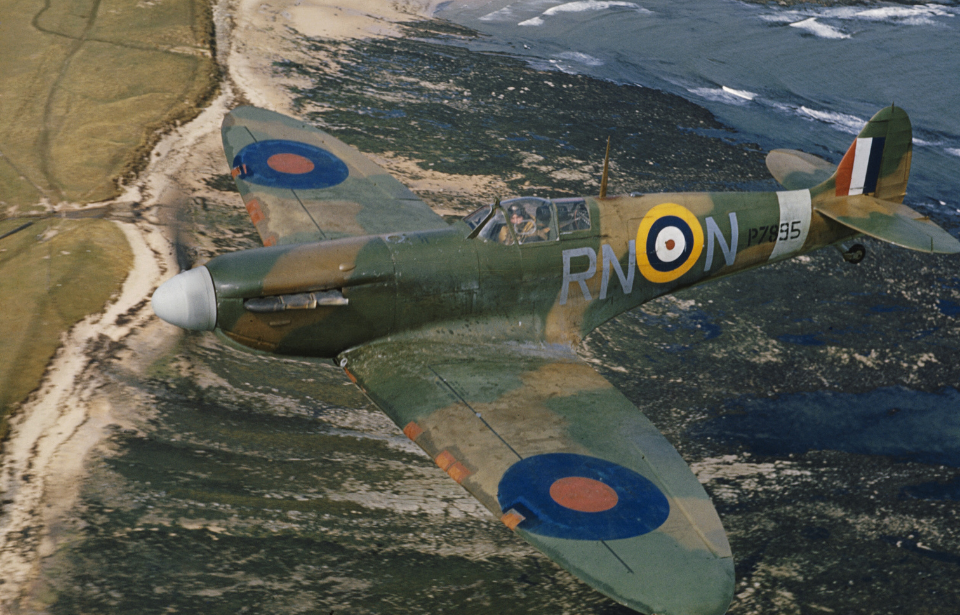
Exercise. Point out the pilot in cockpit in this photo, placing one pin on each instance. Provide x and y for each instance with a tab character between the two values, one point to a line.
523	226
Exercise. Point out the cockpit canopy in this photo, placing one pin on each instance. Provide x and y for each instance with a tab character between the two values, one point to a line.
529	219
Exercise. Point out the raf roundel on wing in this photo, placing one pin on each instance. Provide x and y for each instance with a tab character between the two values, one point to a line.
577	497
280	163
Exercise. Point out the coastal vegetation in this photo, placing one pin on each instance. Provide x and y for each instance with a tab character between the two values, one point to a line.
52	274
88	88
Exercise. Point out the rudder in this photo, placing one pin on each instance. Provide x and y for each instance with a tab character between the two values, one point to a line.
878	162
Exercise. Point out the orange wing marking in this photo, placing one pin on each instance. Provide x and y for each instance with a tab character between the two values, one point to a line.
256	213
412	431
449	464
512	519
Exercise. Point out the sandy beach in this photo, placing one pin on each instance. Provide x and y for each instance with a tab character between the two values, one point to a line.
64	422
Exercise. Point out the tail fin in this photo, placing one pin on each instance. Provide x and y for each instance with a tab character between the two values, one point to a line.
866	191
878	162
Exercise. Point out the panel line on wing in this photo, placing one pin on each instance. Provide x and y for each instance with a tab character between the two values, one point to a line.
471	408
614	553
312	219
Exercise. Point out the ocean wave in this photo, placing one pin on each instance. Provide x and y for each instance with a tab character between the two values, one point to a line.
821	30
504	14
785	17
724	94
582	6
580	58
739	93
908	15
952	150
919	15
846	123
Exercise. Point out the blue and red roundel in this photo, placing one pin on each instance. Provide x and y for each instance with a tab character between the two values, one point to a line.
581	498
293	165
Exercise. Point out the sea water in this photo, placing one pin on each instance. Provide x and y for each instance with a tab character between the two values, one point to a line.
801	77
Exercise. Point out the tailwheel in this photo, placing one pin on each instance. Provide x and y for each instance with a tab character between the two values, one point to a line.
852	254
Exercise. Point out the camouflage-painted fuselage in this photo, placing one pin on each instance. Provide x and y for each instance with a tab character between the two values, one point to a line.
439	282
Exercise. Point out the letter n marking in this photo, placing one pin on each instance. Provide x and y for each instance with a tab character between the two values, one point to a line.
715	234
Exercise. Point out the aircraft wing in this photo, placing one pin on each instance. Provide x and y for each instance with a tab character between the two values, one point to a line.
559	455
889	221
302	185
796	170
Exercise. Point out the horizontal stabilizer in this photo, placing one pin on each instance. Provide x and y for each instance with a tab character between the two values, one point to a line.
890	222
796	170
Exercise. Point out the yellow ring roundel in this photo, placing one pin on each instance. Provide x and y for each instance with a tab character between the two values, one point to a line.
669	242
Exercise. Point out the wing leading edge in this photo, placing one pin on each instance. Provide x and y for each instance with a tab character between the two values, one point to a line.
302	185
558	454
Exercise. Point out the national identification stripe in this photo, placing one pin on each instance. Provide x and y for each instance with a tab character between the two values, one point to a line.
795	212
859	170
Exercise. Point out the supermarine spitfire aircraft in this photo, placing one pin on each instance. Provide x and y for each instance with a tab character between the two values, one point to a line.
464	334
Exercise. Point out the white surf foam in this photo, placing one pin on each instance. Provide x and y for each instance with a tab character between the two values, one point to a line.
821	30
846	123
920	15
504	14
724	95
952	150
582	6
907	15
739	93
580	58
533	21
785	17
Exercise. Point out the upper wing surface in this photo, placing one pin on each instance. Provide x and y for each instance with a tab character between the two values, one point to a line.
558	454
302	185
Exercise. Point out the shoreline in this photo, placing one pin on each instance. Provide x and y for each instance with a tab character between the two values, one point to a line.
66	418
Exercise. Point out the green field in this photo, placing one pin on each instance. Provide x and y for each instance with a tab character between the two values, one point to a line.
87	89
52	274
86	86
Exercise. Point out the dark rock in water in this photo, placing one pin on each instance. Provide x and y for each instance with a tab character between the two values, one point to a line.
893	422
934	490
463	112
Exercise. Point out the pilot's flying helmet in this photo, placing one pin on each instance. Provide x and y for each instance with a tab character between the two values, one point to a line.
518	210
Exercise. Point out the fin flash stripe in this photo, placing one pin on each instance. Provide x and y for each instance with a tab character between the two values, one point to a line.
860	168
